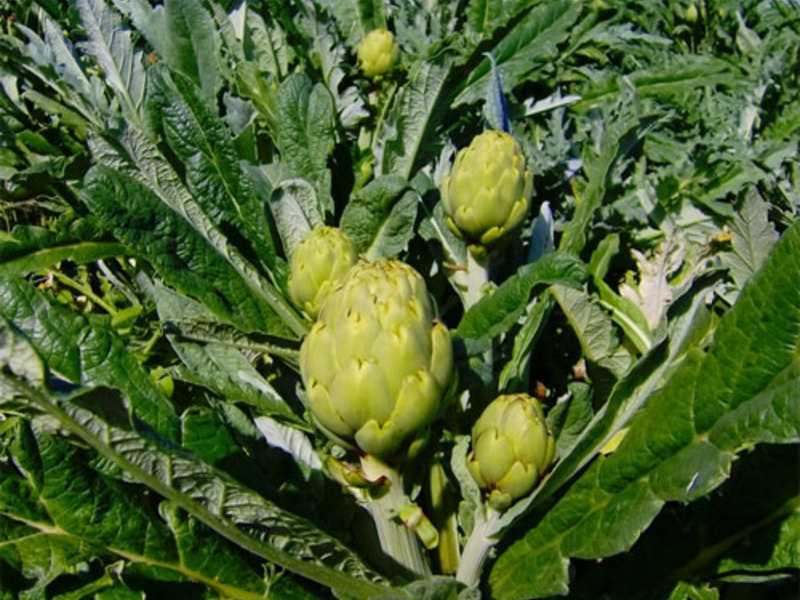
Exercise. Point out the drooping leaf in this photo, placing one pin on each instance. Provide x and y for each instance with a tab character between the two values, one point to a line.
744	390
497	313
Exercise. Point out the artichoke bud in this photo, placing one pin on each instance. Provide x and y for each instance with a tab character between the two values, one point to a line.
377	53
511	448
376	364
486	195
321	259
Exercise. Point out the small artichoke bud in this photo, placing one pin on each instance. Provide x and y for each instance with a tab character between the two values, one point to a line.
377	53
320	260
511	448
376	364
486	194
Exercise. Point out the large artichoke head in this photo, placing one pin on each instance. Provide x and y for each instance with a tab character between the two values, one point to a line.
377	53
486	194
511	448
321	259
375	365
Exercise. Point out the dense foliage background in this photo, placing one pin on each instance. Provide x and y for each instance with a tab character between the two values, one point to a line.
159	161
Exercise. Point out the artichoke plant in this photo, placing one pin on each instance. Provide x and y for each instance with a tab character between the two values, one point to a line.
376	364
319	261
511	448
486	194
378	53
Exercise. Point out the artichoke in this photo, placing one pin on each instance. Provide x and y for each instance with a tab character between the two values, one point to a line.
375	365
318	262
511	448
377	53
486	194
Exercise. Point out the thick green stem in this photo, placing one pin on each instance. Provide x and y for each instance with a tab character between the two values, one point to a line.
397	541
477	278
480	542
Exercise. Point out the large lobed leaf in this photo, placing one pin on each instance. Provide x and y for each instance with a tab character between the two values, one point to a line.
744	390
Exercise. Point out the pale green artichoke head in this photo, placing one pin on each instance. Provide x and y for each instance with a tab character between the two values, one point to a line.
377	53
321	259
375	365
511	448
486	194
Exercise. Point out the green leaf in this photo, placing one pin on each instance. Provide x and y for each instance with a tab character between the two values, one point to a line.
570	417
306	134
532	41
82	514
620	135
594	330
243	517
408	138
213	173
295	210
744	390
514	374
217	362
180	254
82	351
497	313
734	534
485	16
183	34
752	237
111	46
380	217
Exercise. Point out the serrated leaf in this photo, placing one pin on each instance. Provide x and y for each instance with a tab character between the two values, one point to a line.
111	46
532	41
82	351
183	34
181	255
380	217
743	391
497	313
232	511
217	361
213	173
406	139
752	237
83	515
514	373
306	133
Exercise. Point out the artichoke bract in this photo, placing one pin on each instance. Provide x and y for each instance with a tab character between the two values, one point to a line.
321	259
486	194
511	448
377	53
375	365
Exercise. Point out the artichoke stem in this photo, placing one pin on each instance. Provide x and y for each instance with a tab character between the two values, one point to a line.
480	542
477	278
397	541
